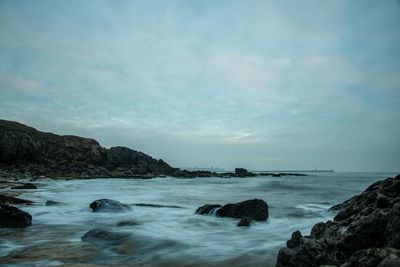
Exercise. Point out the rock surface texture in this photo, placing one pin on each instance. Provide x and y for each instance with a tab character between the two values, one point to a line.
247	211
108	205
25	149
365	232
13	217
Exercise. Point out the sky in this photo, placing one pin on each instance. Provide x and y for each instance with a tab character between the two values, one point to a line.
264	85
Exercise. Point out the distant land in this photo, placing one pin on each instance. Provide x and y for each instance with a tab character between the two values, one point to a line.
25	151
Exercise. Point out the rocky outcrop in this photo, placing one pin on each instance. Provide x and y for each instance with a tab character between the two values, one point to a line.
253	209
13	200
26	150
365	232
108	205
13	217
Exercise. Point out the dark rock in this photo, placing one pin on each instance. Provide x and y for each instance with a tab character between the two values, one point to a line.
52	203
13	217
241	171
254	208
108	205
27	150
365	232
245	221
13	200
25	186
156	206
207	209
102	235
127	223
295	241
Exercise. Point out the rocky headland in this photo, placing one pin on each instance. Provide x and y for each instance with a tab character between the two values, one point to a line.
28	153
365	232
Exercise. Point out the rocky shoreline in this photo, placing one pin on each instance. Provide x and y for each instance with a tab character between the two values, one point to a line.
28	153
365	232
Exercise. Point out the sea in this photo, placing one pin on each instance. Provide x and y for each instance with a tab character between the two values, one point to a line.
172	236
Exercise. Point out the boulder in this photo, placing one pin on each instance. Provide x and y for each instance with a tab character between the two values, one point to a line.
365	232
255	209
13	217
108	205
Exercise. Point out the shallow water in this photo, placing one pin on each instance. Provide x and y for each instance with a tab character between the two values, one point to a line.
172	236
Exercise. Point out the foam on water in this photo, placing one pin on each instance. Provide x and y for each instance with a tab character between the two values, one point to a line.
177	236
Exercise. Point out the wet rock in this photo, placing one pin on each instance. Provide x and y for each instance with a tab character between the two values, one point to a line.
245	221
102	235
127	223
52	203
207	209
13	200
108	205
156	206
13	217
256	209
365	232
25	186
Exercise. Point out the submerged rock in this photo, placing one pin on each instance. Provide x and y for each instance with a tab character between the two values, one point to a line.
13	217
365	232
127	223
103	235
52	203
25	186
253	209
108	205
13	200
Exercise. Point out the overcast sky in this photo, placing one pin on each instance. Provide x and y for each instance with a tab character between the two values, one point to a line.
256	84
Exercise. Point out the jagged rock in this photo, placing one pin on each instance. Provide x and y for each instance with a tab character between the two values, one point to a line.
25	186
365	232
108	205
24	149
13	217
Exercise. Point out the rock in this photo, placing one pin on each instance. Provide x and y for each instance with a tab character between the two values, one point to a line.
13	200
52	203
25	186
256	209
127	223
207	209
245	221
156	206
365	232
13	217
103	235
241	171
24	149
108	205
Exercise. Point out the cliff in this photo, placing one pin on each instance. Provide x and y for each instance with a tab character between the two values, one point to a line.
25	149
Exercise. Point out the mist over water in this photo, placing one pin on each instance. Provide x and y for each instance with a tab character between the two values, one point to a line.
169	236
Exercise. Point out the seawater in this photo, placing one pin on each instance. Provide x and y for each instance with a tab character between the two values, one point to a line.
173	236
